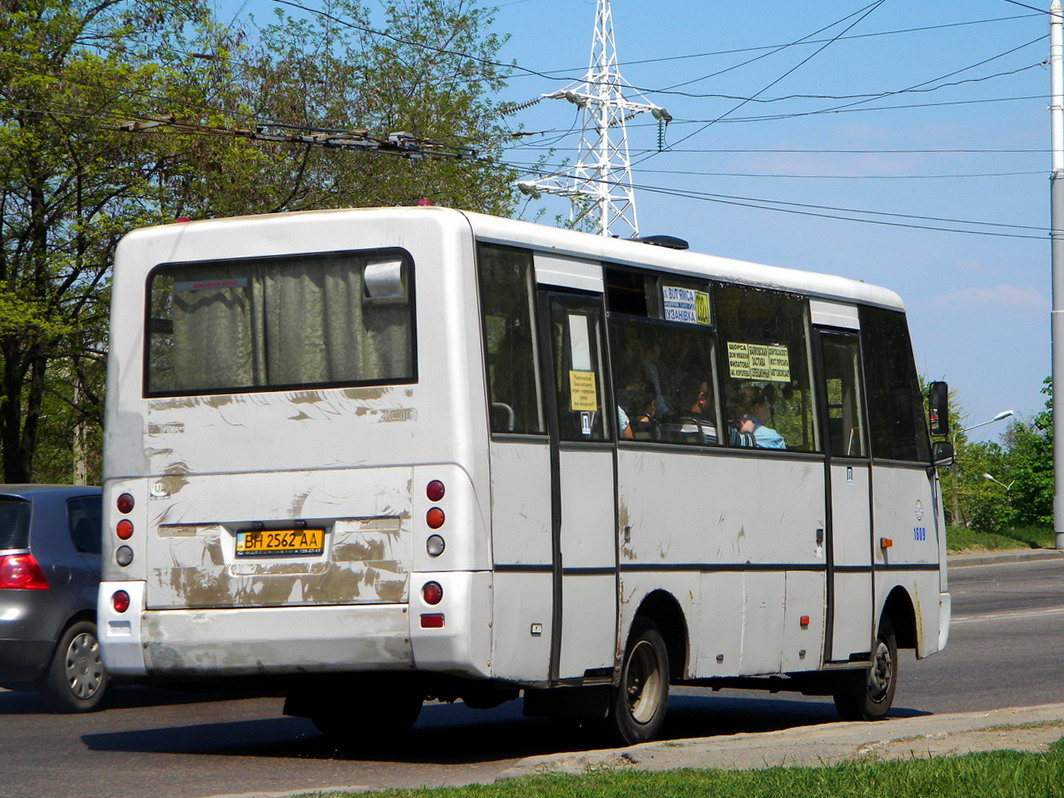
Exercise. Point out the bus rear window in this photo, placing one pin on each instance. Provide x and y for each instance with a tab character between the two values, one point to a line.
280	323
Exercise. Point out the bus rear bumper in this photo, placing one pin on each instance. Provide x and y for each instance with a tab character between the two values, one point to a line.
205	643
945	610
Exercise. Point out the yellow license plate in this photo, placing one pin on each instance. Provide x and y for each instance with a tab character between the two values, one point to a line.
280	542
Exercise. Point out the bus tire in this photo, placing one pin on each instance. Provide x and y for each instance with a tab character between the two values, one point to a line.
640	700
870	694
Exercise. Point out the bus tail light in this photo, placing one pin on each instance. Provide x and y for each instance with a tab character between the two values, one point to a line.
432	621
432	593
125	503
21	572
120	601
885	543
434	518
124	529
435	490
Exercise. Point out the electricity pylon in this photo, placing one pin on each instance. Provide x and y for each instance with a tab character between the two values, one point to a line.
600	183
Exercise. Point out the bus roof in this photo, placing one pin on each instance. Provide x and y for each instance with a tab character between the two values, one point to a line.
543	238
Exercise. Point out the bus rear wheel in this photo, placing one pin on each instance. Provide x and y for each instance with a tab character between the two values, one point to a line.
640	700
870	694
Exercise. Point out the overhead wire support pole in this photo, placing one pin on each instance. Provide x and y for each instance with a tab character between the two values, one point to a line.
1056	111
600	183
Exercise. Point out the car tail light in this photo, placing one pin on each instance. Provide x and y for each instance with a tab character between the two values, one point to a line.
120	600
21	572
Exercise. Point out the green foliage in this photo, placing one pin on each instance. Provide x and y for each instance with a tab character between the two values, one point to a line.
1020	495
116	114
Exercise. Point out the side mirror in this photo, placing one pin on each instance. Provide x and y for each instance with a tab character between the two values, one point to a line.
938	407
942	453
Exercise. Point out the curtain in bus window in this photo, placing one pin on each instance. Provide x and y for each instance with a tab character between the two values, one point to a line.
763	345
895	405
279	323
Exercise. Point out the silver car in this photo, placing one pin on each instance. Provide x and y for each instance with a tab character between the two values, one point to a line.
49	575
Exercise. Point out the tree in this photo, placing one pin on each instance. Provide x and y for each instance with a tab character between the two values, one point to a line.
79	77
1030	466
71	185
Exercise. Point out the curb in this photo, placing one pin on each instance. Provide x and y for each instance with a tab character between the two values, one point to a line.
1015	728
1006	556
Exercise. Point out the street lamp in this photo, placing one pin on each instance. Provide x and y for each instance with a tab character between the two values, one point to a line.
992	478
954	467
999	417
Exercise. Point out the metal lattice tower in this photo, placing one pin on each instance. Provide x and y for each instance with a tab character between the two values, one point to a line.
600	183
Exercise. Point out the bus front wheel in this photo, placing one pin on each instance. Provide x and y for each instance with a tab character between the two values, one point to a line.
639	701
870	694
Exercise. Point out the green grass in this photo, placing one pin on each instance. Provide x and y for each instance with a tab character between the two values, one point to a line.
960	538
999	774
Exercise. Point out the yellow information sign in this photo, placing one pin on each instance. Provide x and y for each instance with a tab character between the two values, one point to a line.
583	391
764	362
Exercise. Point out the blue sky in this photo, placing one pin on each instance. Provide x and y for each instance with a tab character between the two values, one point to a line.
979	305
971	146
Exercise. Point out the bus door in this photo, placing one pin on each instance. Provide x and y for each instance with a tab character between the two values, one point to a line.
583	484
849	624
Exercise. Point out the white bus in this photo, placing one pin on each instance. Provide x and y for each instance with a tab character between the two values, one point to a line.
382	456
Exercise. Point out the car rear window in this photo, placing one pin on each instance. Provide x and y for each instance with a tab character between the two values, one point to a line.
84	517
14	523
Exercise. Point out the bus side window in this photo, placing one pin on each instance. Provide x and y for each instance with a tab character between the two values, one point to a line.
895	404
768	399
506	304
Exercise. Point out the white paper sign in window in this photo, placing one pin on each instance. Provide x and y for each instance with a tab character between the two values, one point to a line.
685	305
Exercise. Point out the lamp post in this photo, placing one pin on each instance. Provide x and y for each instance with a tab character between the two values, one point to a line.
992	478
955	468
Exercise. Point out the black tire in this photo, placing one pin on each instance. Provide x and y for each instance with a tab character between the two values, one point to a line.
870	693
76	680
380	714
641	699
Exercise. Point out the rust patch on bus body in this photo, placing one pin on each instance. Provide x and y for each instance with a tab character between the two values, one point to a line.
366	563
366	394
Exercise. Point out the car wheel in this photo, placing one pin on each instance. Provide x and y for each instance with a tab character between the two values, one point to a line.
870	694
76	680
640	700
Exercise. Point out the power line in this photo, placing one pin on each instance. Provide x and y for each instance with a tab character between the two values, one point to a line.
833	212
866	12
740	50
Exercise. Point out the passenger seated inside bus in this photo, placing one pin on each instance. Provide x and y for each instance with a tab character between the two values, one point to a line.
642	412
752	410
693	425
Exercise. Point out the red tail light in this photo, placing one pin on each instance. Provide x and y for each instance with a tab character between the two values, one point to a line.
120	600
21	572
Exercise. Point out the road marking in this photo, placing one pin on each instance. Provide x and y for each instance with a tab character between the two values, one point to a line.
998	616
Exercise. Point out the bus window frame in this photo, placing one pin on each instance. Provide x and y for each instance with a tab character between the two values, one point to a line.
411	285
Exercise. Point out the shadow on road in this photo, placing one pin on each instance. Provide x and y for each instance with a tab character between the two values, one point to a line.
456	735
120	697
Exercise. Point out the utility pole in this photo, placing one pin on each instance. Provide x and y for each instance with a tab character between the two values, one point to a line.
599	185
1056	233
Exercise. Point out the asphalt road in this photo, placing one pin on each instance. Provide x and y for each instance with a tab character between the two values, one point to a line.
1006	649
